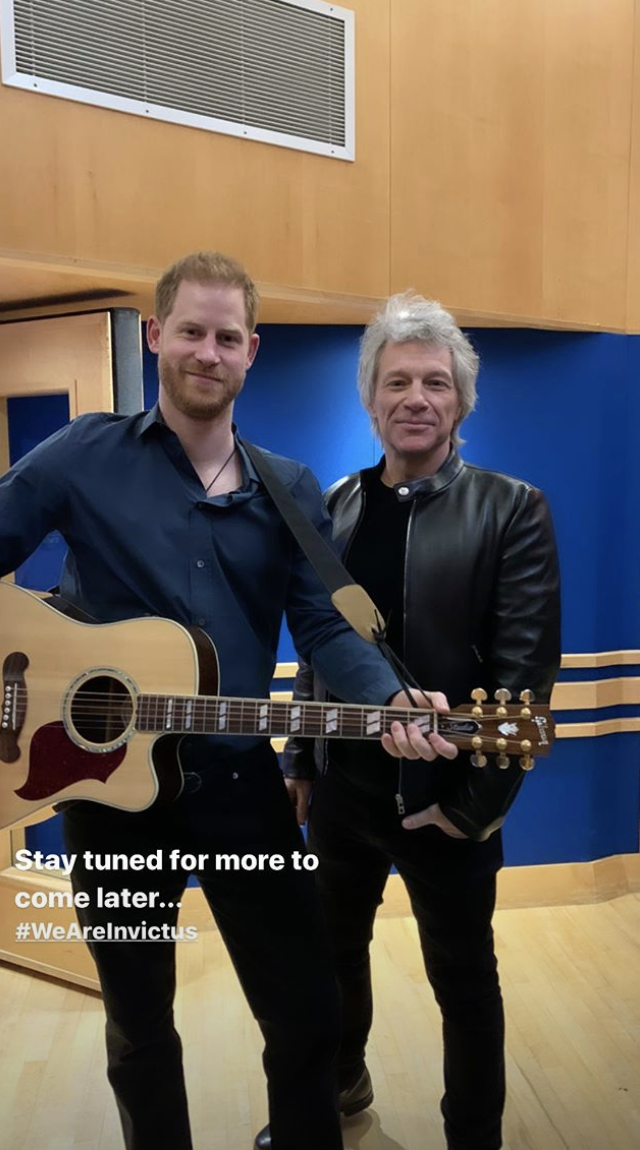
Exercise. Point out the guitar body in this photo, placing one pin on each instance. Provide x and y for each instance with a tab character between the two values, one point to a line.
81	718
50	674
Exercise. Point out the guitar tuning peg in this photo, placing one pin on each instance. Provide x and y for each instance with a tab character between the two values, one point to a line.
527	763
478	695
503	696
479	760
527	698
503	762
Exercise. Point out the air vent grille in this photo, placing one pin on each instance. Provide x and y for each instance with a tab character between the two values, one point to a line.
276	70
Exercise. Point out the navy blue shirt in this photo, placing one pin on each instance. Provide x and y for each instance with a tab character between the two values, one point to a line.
144	539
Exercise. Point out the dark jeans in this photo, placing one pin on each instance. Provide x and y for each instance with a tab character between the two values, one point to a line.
271	925
452	885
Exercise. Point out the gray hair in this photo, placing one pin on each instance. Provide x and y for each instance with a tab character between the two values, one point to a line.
406	317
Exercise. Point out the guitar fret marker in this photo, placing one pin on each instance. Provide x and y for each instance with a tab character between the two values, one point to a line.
331	720
294	716
222	716
168	726
373	722
263	722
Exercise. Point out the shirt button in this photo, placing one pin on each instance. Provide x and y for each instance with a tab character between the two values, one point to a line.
201	622
403	491
199	562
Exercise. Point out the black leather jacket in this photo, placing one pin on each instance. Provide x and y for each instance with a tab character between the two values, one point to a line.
481	609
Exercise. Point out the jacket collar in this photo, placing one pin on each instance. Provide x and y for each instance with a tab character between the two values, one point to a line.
427	485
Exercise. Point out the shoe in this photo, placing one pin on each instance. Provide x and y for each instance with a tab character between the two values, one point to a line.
358	1097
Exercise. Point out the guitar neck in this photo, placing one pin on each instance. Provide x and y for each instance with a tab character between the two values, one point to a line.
214	715
512	729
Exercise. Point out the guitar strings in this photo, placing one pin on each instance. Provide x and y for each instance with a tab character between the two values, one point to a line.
96	701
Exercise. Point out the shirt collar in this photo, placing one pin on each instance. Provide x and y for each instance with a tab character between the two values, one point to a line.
153	418
428	484
149	419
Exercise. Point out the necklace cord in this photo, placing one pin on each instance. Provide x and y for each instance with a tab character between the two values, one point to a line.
219	472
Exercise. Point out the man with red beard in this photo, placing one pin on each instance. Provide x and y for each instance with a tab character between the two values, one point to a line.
164	514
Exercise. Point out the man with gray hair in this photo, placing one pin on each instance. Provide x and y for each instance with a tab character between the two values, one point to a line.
462	563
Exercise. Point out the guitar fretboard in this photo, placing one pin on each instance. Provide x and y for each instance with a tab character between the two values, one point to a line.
215	715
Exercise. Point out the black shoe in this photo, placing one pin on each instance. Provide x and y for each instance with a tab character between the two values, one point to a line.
350	1102
358	1097
263	1140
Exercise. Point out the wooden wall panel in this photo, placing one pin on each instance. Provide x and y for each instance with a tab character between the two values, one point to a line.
509	156
101	186
497	168
588	89
49	356
633	244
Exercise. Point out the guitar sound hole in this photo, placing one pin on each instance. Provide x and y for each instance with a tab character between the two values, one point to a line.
101	710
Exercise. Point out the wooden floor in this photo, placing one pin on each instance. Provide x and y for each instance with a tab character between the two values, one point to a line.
571	979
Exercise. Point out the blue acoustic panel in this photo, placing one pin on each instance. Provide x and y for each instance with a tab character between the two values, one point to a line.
580	803
562	410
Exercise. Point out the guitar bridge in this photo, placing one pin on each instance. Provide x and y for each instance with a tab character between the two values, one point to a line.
14	705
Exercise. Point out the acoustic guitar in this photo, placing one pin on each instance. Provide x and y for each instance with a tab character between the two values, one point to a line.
97	711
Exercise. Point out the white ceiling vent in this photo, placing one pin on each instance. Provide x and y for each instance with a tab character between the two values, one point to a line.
279	71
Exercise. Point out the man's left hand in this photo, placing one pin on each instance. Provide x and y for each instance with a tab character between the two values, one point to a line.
432	816
407	741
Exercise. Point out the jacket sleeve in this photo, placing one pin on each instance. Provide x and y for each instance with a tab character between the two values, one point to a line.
523	652
298	756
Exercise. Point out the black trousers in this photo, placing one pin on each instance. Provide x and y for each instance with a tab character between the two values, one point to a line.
452	884
271	924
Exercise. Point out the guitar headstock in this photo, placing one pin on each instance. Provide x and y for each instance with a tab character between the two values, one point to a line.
524	731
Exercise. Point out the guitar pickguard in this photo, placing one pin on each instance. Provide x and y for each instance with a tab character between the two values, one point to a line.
56	763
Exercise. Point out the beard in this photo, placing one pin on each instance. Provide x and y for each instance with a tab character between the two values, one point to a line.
196	400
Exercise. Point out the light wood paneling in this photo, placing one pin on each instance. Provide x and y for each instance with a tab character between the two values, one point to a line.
510	156
596	693
633	242
587	125
602	659
597	728
105	186
45	286
67	353
495	158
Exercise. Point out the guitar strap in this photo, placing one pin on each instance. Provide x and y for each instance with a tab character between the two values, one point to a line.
347	596
64	608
